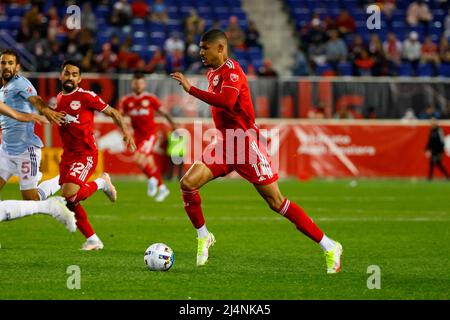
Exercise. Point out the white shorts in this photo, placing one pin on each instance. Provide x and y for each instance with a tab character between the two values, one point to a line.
25	166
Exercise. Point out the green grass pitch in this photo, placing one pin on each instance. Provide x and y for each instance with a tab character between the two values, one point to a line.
400	226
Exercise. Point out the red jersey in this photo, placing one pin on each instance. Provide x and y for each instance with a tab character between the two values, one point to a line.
141	110
241	115
77	132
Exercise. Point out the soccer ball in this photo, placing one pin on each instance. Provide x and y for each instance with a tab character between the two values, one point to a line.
159	257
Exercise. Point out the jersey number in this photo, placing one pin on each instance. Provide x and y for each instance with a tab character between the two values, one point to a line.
76	168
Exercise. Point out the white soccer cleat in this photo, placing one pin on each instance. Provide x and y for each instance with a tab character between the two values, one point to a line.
333	258
203	248
163	194
92	245
152	187
61	213
109	189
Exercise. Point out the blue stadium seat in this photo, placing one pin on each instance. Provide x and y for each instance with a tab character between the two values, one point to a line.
16	10
345	69
405	69
425	70
444	70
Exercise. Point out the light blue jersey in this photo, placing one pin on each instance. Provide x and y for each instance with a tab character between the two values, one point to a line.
18	136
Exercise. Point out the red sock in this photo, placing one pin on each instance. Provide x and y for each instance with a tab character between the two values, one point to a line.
297	216
153	172
85	192
192	206
82	220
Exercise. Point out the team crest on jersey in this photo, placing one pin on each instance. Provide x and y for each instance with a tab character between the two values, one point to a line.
234	77
145	103
75	105
216	80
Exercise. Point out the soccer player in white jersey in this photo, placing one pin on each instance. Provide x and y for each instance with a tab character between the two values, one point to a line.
20	150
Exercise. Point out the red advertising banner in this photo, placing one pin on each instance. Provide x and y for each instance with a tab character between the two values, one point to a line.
300	148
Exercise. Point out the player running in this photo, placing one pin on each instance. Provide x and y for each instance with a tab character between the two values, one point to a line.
141	107
79	158
20	152
229	96
15	209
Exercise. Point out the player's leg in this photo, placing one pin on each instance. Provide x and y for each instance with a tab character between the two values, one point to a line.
294	213
28	172
431	168
441	167
198	175
48	187
55	207
7	168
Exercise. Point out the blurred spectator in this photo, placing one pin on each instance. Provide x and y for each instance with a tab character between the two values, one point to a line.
412	50
314	34
393	51
107	60
429	113
140	9
267	69
435	149
317	112
122	13
88	19
251	71
159	12
33	18
175	61
174	42
40	48
56	58
369	113
409	115
317	53
85	41
375	49
87	62
417	13
24	33
236	36
194	25
192	59
252	35
52	23
444	50
387	7
115	43
345	23
336	50
127	61
301	65
355	47
447	25
72	52
364	64
157	64
430	54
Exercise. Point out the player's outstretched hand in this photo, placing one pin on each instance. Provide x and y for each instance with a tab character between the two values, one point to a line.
39	119
54	116
178	76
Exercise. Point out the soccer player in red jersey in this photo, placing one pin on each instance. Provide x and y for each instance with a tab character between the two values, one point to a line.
141	107
79	158
232	109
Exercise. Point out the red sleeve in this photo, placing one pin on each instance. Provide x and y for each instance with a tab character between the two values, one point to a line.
225	99
232	79
95	102
156	104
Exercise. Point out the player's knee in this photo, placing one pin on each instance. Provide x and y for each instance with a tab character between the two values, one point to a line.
187	183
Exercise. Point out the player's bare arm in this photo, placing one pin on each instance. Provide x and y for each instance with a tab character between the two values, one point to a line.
167	117
52	116
119	121
19	116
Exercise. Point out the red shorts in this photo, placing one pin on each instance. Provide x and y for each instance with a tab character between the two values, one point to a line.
253	163
146	146
77	168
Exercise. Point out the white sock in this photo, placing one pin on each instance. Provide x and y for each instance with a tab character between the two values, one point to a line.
326	243
101	183
202	231
94	237
15	209
48	187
